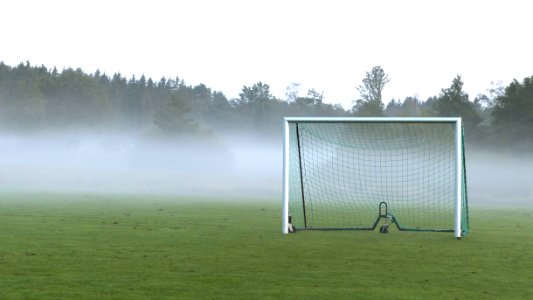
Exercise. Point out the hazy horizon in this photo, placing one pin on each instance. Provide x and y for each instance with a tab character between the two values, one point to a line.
229	166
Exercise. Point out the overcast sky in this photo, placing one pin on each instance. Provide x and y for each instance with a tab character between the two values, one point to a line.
326	45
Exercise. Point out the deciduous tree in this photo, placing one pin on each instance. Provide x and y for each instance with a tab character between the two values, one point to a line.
371	102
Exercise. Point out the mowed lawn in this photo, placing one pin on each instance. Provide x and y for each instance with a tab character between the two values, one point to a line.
74	246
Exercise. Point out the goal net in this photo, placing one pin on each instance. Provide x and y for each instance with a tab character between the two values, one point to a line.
351	173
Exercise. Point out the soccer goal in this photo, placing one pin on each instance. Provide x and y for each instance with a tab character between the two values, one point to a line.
355	173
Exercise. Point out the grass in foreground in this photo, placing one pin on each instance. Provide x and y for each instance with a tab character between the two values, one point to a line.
132	247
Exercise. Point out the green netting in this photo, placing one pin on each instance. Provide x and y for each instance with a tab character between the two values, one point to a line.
340	172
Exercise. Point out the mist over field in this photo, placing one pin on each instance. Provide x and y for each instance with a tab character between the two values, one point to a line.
495	177
224	166
128	163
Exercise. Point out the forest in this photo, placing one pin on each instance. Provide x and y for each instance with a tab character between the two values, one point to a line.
40	99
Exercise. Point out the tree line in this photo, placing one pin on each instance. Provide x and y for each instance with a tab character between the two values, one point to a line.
34	98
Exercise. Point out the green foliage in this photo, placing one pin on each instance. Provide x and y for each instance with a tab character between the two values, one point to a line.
77	99
373	84
175	119
371	108
22	104
371	102
132	247
513	113
312	105
410	107
257	97
35	98
454	102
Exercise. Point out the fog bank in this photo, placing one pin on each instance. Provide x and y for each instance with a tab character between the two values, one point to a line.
121	163
226	166
499	177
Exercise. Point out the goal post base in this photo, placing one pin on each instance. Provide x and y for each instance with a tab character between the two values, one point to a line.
384	214
390	219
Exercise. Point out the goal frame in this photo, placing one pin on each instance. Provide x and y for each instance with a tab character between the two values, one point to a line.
459	157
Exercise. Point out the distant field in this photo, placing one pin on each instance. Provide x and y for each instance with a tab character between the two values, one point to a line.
76	246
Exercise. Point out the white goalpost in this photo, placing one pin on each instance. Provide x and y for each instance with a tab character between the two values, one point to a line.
350	173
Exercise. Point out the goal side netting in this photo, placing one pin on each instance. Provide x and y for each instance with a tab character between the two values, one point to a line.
337	173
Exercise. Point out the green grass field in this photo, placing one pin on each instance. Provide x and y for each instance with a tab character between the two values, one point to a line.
61	246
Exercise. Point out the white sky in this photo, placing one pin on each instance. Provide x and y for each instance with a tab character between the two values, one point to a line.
327	45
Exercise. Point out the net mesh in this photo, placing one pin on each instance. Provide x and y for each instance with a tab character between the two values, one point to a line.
340	172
